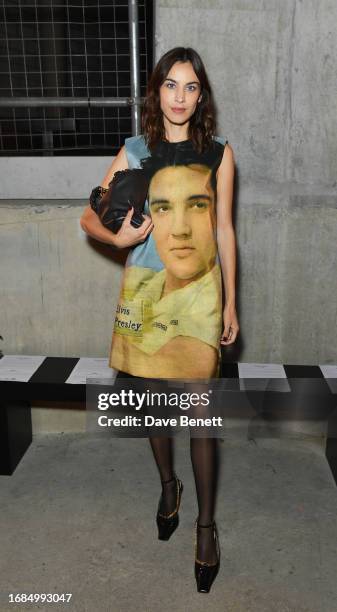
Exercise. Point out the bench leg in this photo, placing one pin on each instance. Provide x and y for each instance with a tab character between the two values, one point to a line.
331	444
15	433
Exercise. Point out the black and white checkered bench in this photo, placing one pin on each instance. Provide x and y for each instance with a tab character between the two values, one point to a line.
292	391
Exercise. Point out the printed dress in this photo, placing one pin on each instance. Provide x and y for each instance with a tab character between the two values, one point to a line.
168	320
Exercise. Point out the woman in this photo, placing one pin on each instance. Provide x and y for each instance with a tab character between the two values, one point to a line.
178	137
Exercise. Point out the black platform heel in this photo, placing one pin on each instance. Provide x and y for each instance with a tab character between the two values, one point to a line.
205	573
168	523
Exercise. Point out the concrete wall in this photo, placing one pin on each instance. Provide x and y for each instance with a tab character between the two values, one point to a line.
273	70
49	177
58	287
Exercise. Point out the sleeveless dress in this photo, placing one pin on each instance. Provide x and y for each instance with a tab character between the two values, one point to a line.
168	321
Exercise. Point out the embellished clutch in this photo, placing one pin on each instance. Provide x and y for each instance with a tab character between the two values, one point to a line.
126	189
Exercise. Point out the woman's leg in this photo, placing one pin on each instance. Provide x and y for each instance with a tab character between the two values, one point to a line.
204	457
162	448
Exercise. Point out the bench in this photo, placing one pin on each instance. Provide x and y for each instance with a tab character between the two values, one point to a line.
275	391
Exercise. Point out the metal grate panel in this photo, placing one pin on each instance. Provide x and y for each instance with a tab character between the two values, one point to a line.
69	48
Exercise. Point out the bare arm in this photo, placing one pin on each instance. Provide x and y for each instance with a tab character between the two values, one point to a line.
127	235
227	243
225	231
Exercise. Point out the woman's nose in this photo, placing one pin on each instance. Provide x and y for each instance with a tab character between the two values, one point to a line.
180	95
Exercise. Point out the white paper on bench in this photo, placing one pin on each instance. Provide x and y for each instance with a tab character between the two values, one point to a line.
19	368
91	367
329	372
249	372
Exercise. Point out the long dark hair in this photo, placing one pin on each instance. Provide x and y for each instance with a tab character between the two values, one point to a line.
202	123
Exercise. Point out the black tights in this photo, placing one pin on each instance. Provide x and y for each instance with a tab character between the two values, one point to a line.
204	458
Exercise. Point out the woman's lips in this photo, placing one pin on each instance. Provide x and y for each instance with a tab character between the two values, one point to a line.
178	110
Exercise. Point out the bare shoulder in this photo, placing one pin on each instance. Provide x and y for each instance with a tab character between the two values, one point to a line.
227	164
122	153
228	155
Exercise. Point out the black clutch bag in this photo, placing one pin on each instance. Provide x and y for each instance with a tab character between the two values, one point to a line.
127	188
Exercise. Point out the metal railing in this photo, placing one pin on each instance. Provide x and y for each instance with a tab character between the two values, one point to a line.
134	101
17	102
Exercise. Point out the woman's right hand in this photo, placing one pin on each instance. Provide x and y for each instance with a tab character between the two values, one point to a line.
128	235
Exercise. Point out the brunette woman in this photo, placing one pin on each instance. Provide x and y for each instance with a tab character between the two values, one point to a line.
182	261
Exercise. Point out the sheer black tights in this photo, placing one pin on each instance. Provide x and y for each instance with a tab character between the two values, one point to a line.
204	457
162	449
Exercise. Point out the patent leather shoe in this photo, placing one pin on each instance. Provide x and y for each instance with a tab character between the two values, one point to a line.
168	523
205	573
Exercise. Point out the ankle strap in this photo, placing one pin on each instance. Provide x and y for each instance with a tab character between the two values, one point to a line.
171	479
210	524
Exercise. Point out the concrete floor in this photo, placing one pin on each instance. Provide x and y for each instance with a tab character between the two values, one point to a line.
77	516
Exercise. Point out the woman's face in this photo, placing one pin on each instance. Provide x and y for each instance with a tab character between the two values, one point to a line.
180	90
181	202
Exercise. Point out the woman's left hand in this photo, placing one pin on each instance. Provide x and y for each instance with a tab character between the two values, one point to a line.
231	325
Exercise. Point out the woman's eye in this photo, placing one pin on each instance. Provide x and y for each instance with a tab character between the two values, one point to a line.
189	87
